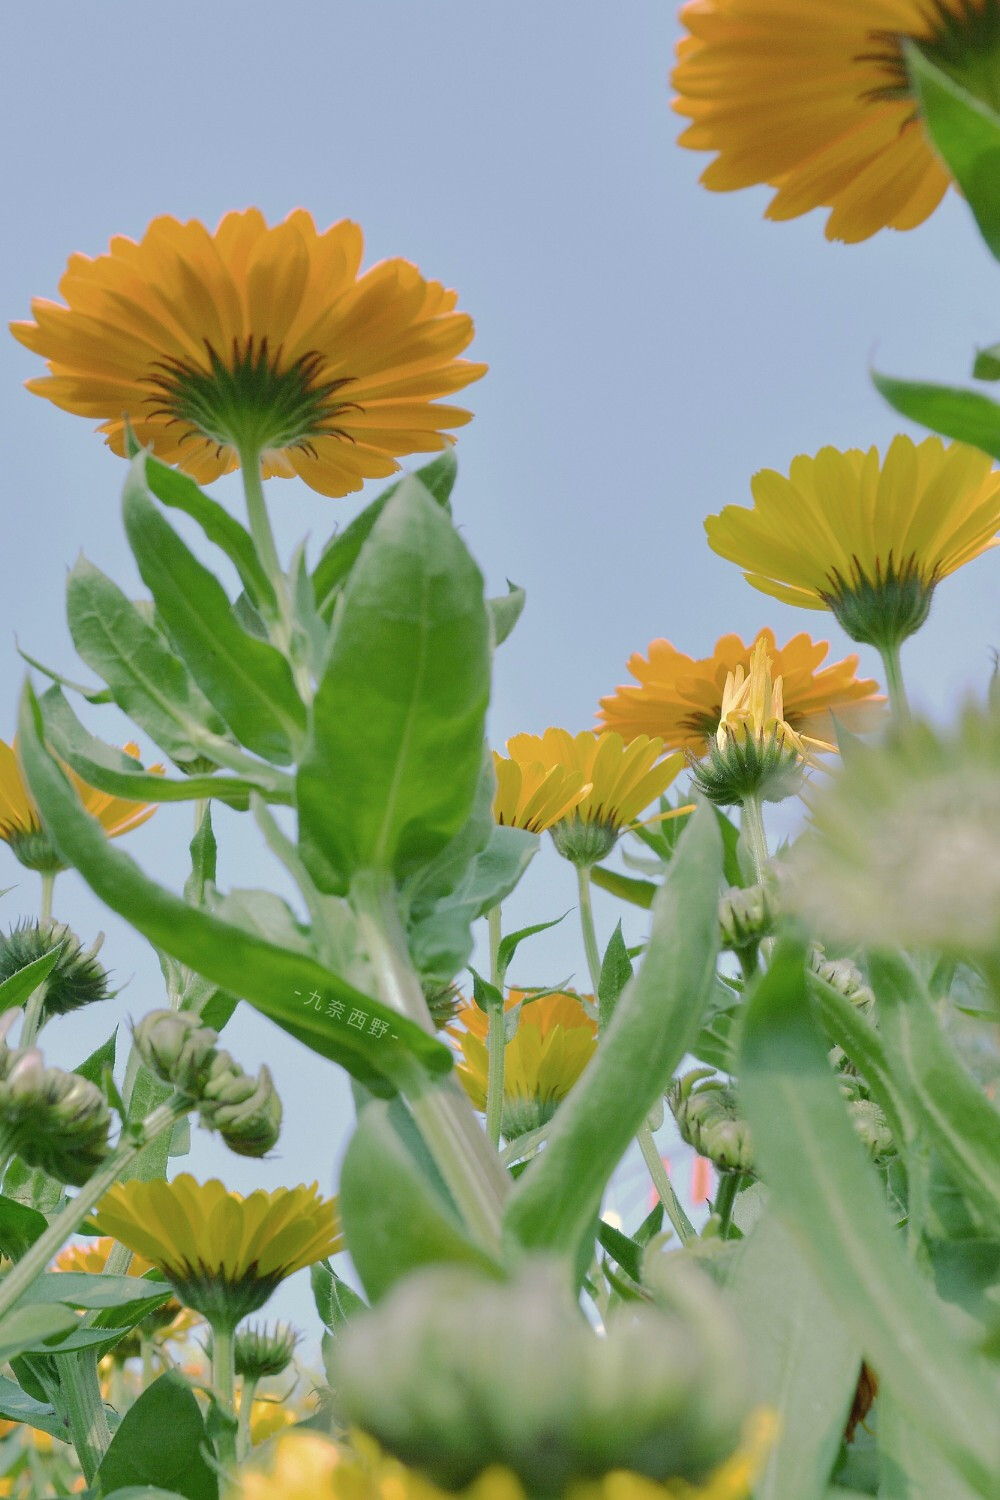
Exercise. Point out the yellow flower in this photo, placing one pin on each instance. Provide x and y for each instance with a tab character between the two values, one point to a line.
554	1041
21	822
260	340
534	796
680	697
620	780
812	98
222	1253
867	540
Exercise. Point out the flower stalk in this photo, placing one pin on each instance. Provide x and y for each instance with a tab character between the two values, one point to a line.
224	1386
88	1421
283	626
496	1039
899	703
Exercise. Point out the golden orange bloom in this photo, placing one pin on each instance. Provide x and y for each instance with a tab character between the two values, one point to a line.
812	98
680	697
256	340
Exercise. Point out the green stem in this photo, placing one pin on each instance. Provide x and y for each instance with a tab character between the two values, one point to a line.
48	886
283	631
496	1039
20	1277
899	703
725	1199
200	809
587	925
88	1421
443	1114
244	1442
224	1385
32	1023
658	1172
755	836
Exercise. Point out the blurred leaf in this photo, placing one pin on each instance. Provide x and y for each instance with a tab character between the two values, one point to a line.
20	1227
846	1026
403	697
17	1406
279	983
505	611
342	551
964	415
911	1467
715	1042
557	1199
336	1302
987	364
823	1186
625	1250
966	133
159	1442
626	887
248	680
616	971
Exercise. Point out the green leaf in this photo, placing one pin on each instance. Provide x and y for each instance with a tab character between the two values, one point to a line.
343	550
616	971
92	1068
964	415
626	887
279	983
92	1292
395	1218
92	695
159	1442
20	1227
486	995
510	944
16	989
403	697
204	853
805	1361
956	1117
823	1186
987	364
147	679
911	1467
26	1327
505	611
180	491
557	1198
248	681
849	1029
625	1250
336	1302
17	1406
966	133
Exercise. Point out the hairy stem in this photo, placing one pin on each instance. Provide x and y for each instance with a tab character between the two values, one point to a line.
591	949
658	1172
88	1421
899	703
496	1040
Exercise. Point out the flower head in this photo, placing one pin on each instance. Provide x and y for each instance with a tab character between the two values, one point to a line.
814	100
867	539
21	823
222	1253
256	340
680	697
554	1041
75	980
620	781
533	796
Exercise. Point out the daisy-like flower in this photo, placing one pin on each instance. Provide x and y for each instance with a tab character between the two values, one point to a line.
868	540
554	1041
622	781
533	796
813	98
679	698
256	341
222	1253
756	753
21	823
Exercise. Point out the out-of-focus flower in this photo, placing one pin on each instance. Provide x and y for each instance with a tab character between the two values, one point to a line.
679	698
554	1041
865	538
256	340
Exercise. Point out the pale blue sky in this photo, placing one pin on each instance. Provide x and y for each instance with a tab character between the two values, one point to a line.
650	345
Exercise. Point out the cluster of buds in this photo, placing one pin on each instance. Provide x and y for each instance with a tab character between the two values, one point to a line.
746	915
709	1121
76	979
537	1390
179	1050
53	1120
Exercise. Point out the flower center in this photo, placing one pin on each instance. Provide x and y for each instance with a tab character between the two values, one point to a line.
963	39
249	402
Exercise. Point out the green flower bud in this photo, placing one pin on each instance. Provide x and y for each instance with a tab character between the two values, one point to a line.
176	1048
261	1352
746	916
708	1120
443	1001
583	841
245	1111
75	980
872	1128
454	1372
767	768
844	976
56	1121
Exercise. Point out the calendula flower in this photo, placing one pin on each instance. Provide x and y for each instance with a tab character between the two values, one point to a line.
813	98
222	1253
865	538
622	781
533	796
679	698
554	1041
21	823
756	752
256	341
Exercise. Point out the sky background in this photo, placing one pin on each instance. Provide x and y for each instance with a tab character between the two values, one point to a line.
651	345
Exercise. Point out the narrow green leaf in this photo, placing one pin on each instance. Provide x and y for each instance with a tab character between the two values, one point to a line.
556	1200
505	611
248	681
91	1291
966	133
336	1302
92	695
626	887
849	1029
824	1188
304	998
395	1219
805	1362
204	859
403	696
159	1443
625	1250
92	1068
616	971
510	944
987	363
17	1406
486	995
966	416
343	550
16	989
20	1227
26	1327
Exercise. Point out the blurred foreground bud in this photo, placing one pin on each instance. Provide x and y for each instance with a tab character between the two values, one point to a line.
53	1120
261	1352
709	1121
844	976
455	1372
75	980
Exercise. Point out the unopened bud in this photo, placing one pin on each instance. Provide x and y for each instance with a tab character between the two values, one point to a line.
56	1121
872	1128
261	1352
708	1120
583	841
746	915
176	1048
843	975
245	1111
76	979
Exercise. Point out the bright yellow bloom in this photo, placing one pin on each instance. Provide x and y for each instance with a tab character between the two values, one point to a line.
534	796
680	697
812	98
554	1042
868	540
222	1253
255	338
21	822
